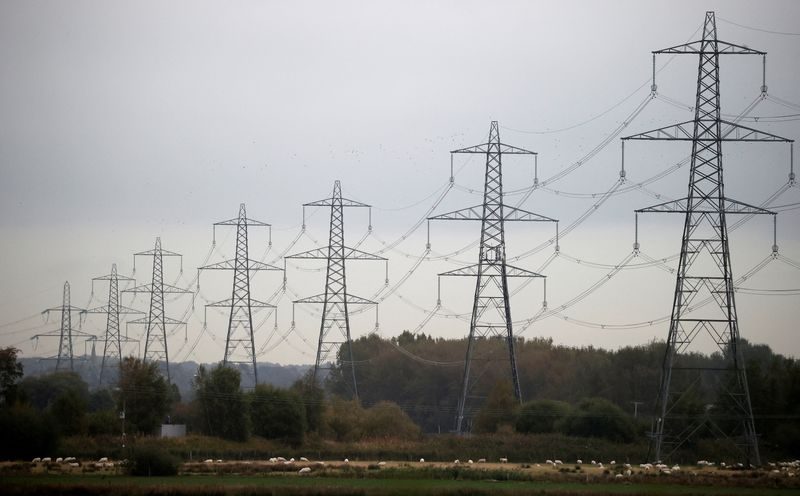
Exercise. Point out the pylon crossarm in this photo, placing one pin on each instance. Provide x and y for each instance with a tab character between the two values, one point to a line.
469	213
328	202
351	300
253	303
106	309
231	265
110	276
744	133
353	254
148	288
248	222
681	206
161	252
517	214
315	254
504	149
723	48
472	271
146	320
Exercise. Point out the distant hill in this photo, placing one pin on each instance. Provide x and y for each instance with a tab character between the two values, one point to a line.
181	373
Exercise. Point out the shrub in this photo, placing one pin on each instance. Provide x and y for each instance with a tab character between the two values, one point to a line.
541	416
150	461
387	420
26	433
597	417
277	414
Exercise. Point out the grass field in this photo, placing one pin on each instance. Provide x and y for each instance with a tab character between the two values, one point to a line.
392	479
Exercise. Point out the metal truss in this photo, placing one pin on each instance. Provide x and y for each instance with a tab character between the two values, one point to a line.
491	309
334	330
66	333
704	270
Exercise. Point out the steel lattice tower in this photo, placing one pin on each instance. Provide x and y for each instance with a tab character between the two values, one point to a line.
156	321
491	309
704	271
65	333
240	344
334	329
112	346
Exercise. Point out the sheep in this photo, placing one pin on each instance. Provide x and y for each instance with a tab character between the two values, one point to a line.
319	464
579	462
422	460
36	460
594	462
304	470
291	460
600	465
381	464
59	460
504	460
103	460
303	459
549	462
558	462
74	464
288	462
627	465
280	459
456	462
469	461
481	460
346	460
218	461
46	459
666	471
209	460
675	468
628	472
612	462
273	460
618	476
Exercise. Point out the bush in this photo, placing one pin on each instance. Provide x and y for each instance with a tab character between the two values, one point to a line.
26	433
150	461
387	420
541	416
277	414
597	417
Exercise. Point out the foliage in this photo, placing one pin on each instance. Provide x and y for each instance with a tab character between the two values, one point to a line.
26	433
152	461
101	399
103	422
10	374
343	419
42	391
143	395
221	403
69	413
313	400
387	420
277	414
598	417
541	416
498	410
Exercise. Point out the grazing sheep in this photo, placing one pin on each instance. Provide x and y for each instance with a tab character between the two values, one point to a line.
628	472
74	464
549	462
469	461
303	459
36	460
666	471
457	461
481	460
675	468
46	459
208	461
612	462
600	465
594	462
304	470
579	461
103	460
70	459
381	464
59	460
280	459
288	462
217	461
291	460
346	460
422	460
273	460
618	476
558	462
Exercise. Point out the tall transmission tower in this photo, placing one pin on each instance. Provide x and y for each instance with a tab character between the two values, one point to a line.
334	331
704	271
239	343
491	309
66	333
112	346
156	321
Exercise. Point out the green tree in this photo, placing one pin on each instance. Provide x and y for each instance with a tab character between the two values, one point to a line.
221	403
43	391
387	420
69	413
343	419
10	374
541	416
598	417
313	400
499	409
143	394
26	433
277	414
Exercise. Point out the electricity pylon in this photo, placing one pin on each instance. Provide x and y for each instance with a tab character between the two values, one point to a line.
239	343
112	346
66	334
156	321
704	271
491	309
334	331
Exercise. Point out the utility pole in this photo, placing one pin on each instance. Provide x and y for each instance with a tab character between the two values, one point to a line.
240	343
112	347
491	308
334	331
156	321
66	334
704	270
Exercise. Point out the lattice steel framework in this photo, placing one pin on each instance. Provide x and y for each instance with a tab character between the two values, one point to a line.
112	345
156	321
66	333
334	332
491	309
704	271
240	343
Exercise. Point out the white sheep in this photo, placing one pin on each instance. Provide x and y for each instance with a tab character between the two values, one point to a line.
422	460
103	460
59	460
481	460
46	459
618	476
280	459
469	461
579	461
457	461
628	472
549	462
381	464
37	460
558	462
612	462
273	460
346	460
304	470
504	460
291	460
208	461
675	468
74	464
303	459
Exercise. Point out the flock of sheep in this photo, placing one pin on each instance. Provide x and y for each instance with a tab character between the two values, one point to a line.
71	461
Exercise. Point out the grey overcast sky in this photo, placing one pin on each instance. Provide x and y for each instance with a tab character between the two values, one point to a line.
123	121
